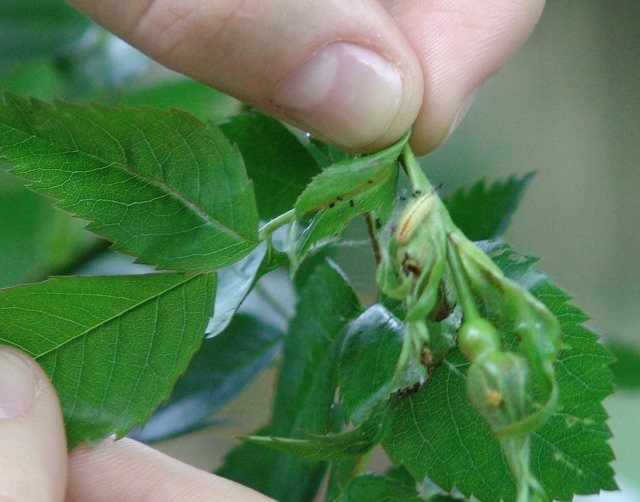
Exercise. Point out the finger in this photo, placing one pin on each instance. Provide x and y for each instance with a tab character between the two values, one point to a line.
459	44
341	70
33	452
127	470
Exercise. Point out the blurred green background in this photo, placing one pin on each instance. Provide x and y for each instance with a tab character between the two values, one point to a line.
567	107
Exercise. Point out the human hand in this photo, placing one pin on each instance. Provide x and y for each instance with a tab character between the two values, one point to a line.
356	74
34	465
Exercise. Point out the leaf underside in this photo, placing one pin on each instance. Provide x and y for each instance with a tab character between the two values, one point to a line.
163	186
112	346
220	370
234	284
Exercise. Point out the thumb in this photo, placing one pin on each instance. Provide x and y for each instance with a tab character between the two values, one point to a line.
341	70
33	456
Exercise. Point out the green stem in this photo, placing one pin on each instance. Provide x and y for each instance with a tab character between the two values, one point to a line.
375	244
417	178
273	225
465	296
361	463
516	454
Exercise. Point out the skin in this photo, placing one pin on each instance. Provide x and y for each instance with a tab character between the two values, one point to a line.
439	53
35	466
442	50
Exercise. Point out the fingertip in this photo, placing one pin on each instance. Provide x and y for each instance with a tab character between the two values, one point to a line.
459	47
352	97
32	439
342	71
427	138
125	469
19	384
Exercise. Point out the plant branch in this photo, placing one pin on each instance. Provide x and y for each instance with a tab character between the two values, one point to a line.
273	225
417	179
465	296
375	244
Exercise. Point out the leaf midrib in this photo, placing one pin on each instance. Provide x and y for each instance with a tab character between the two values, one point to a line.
162	186
122	313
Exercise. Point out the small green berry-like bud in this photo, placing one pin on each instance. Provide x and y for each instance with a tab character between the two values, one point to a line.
498	386
478	337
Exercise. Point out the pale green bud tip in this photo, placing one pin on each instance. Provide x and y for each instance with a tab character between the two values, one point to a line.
478	337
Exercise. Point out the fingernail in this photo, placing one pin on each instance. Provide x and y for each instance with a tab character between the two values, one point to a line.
463	110
346	93
17	385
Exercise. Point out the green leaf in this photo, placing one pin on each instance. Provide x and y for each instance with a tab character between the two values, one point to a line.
626	367
38	78
305	384
162	186
325	155
369	360
187	95
36	29
343	191
305	389
340	475
234	284
375	198
401	475
436	433
368	487
484	211
276	161
113	346
337	447
439	428
223	367
35	238
348	179
251	465
578	431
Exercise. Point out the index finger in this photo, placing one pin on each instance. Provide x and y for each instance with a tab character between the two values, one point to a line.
127	470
